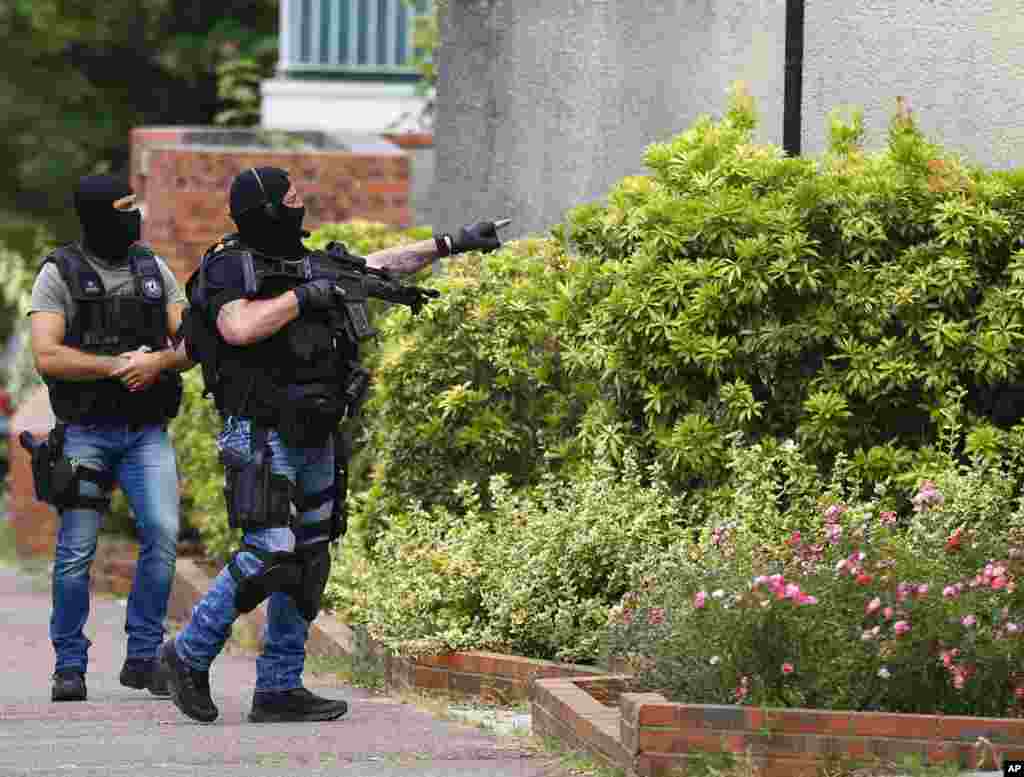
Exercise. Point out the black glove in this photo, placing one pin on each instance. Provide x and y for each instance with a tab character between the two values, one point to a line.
321	294
418	297
482	236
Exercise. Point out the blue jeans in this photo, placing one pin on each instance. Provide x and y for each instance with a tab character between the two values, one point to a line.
279	666
142	460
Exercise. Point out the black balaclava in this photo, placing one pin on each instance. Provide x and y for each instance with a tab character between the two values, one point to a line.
259	229
107	232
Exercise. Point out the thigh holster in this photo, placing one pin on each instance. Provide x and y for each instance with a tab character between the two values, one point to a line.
57	480
256	498
336	524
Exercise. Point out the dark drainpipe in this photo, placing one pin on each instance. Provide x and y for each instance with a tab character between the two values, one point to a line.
793	95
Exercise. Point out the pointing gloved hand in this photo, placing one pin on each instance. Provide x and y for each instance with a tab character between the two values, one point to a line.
320	294
482	236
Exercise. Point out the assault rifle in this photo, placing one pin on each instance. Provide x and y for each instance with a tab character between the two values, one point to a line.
355	283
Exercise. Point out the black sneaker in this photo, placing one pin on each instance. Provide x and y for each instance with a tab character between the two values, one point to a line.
68	685
190	689
145	673
293	706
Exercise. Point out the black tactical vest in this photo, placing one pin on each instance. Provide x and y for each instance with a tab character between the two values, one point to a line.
108	325
305	364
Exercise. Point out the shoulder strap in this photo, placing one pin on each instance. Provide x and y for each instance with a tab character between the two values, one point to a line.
149	282
82	280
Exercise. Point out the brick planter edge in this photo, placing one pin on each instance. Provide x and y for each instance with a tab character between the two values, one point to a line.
651	737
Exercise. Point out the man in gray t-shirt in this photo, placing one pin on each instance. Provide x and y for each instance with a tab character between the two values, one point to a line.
104	314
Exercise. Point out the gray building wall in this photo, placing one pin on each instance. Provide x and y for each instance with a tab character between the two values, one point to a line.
545	104
959	64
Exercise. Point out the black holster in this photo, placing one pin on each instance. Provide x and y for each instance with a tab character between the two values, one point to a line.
310	414
255	497
53	476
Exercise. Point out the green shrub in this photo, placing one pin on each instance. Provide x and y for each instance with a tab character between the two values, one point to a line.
194	433
534	575
473	387
836	301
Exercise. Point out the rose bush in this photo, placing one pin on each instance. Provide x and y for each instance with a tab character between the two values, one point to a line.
862	607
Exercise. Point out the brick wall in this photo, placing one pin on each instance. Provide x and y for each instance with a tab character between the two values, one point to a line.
799	742
34	522
651	737
185	187
492	677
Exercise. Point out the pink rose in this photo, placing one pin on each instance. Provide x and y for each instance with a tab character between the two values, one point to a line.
873	605
888	612
968	620
656	615
901	627
698	599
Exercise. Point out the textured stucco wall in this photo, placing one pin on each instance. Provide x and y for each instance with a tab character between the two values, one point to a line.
959	64
544	104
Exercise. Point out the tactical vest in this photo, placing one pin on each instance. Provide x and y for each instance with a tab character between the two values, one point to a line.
296	379
108	325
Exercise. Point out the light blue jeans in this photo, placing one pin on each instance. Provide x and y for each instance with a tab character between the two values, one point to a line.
279	666
142	460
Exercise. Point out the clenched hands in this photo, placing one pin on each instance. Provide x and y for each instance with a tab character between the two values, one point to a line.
138	370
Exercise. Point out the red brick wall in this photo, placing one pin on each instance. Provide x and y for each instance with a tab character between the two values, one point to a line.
35	522
186	189
800	742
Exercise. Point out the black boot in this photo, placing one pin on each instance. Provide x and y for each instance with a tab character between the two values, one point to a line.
292	706
68	685
190	689
145	673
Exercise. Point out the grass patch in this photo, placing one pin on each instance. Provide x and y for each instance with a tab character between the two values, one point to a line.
347	670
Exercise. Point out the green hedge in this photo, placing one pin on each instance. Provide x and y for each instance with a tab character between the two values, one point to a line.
838	300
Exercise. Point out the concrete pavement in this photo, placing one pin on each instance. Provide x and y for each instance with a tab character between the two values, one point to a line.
120	732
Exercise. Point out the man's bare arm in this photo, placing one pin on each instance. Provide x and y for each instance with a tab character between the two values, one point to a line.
405	259
175	358
53	359
247	321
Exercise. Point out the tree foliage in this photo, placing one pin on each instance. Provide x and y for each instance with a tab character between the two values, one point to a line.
81	75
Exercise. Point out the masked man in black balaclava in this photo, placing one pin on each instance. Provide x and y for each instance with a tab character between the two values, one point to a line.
102	312
262	322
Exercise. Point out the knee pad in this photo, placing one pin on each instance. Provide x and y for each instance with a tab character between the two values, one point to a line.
281	572
315	565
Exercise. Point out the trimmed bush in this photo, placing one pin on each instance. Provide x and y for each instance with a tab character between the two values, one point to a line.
536	574
473	387
836	301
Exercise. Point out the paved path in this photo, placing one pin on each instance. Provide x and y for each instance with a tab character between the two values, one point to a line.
120	732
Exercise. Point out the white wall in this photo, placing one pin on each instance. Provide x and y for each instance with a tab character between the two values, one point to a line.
308	104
